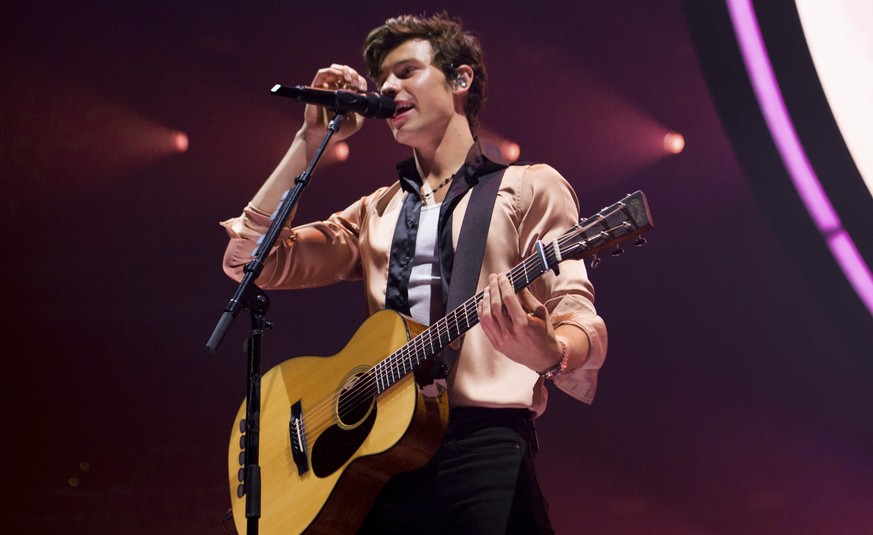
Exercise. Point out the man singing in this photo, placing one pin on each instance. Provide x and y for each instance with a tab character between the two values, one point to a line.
402	241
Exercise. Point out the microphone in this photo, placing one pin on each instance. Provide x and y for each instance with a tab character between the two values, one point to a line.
370	105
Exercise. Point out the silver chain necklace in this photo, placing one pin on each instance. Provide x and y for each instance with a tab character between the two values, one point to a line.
426	197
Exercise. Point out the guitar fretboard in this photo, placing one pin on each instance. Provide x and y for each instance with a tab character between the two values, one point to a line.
622	220
454	324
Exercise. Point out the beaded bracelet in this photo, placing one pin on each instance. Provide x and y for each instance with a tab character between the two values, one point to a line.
559	368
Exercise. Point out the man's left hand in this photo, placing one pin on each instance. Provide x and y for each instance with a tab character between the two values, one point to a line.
518	325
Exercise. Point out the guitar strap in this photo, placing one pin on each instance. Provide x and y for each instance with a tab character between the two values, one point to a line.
468	256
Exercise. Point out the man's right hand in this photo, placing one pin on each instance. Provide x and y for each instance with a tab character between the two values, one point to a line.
334	77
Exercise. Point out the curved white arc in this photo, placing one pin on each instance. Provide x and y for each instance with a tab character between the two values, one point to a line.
793	155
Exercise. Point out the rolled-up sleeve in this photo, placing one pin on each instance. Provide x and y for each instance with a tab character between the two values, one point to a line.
550	208
315	254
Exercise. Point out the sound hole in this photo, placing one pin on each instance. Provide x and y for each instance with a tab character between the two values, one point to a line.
355	416
355	400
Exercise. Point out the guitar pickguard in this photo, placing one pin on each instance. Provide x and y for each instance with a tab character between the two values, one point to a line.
336	445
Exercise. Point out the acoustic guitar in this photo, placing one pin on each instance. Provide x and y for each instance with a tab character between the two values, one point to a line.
335	429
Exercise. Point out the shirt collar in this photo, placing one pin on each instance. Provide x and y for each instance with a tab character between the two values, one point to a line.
475	165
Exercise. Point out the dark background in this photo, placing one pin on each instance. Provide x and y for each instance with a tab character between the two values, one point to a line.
732	400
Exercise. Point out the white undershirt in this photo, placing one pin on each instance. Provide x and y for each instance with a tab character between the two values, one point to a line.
425	295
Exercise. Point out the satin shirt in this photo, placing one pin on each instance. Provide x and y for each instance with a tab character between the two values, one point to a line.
533	203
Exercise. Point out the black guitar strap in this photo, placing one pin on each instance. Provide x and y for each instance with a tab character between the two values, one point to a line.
469	255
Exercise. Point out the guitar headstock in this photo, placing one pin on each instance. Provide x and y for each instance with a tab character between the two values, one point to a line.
626	219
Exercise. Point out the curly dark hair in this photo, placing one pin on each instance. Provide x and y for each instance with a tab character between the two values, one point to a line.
452	47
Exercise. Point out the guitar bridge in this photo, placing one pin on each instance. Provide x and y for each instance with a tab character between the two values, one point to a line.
297	434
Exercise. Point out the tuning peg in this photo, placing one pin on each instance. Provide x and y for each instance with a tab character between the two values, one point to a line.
595	261
640	241
618	251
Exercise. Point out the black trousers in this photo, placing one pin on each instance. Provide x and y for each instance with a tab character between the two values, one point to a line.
482	480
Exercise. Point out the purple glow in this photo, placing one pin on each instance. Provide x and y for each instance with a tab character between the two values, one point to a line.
793	156
858	273
776	115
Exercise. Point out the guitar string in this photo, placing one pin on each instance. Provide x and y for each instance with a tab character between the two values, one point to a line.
445	325
402	362
394	367
424	342
405	363
403	358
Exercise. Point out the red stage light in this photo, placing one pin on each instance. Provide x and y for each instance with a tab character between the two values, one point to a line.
510	149
341	151
180	141
674	142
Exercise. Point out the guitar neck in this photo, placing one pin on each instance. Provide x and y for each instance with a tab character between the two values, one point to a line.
618	222
448	329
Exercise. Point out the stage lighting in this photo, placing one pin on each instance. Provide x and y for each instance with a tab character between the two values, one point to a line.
510	150
341	151
674	142
180	141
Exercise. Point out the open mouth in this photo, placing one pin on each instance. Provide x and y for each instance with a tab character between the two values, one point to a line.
402	108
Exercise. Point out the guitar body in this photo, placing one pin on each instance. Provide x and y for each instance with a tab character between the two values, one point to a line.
354	441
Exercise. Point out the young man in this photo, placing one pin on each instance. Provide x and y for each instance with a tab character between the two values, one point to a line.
402	241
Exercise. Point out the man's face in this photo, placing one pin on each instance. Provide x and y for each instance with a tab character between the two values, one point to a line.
425	103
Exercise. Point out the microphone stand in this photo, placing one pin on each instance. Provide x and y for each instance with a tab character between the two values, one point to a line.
252	298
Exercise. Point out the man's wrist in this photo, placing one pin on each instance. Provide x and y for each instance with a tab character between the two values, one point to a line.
561	366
